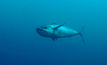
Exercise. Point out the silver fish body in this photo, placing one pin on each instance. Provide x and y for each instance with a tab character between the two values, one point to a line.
55	31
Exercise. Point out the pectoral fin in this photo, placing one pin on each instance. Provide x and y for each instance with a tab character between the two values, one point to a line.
54	29
58	26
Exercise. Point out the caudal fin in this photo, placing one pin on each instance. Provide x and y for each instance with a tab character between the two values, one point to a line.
81	34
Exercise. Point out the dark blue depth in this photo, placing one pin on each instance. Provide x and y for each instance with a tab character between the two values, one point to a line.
21	45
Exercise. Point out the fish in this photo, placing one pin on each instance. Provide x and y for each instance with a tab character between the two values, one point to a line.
55	31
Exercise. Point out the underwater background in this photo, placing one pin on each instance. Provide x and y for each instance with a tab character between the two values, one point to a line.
21	45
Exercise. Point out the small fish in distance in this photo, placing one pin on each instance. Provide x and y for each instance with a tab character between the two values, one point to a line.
55	31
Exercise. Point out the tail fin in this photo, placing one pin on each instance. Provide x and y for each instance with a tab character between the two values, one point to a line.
81	34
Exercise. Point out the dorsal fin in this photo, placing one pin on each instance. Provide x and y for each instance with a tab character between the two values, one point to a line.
53	23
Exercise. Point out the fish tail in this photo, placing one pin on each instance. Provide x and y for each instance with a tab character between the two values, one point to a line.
81	34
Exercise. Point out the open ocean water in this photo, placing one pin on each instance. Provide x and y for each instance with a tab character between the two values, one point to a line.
20	44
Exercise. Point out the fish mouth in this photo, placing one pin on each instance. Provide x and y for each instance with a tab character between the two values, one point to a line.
40	31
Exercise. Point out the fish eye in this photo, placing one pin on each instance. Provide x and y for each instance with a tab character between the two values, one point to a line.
44	27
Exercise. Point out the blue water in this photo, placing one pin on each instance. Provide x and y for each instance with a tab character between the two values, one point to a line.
21	45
